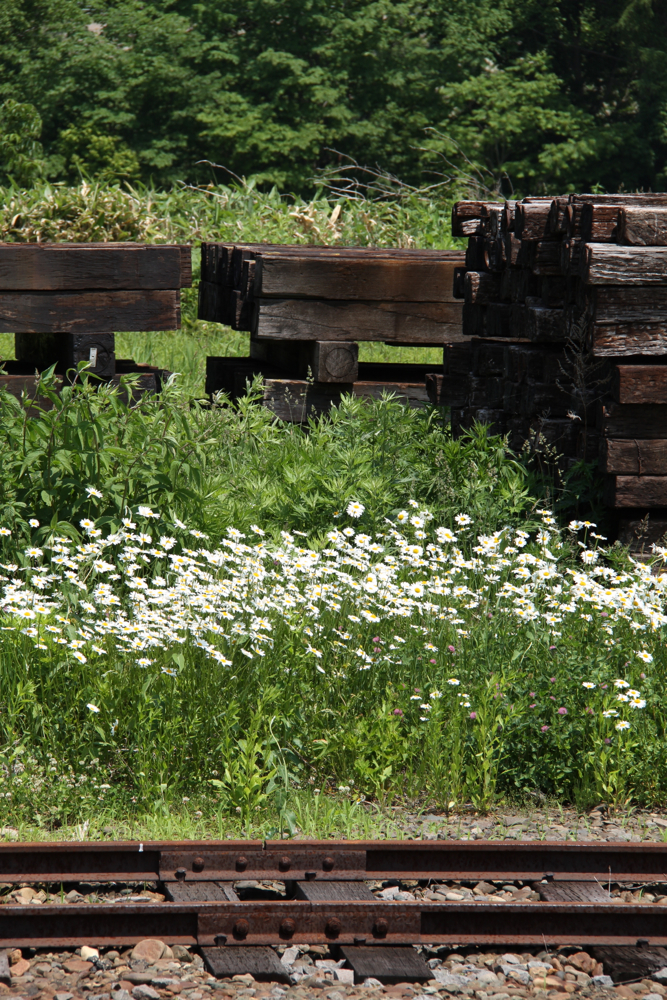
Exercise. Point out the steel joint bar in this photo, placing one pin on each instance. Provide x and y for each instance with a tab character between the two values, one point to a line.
344	922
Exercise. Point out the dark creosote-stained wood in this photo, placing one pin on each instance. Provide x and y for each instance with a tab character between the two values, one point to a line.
634	457
89	312
640	383
80	266
606	264
403	322
636	491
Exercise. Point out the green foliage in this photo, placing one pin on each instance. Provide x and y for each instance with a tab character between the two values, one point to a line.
522	95
20	152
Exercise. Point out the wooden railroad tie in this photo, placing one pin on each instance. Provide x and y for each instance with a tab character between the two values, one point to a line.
307	308
65	301
574	288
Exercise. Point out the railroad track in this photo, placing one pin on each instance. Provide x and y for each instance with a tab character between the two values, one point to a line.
326	900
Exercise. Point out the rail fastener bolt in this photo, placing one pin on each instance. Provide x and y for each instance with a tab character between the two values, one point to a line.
198	865
328	864
548	876
333	927
380	928
180	874
220	939
241	863
285	864
241	929
287	928
310	876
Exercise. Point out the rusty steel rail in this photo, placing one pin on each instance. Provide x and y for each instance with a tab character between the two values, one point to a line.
206	861
332	922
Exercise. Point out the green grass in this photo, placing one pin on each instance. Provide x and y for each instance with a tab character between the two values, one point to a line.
438	671
95	212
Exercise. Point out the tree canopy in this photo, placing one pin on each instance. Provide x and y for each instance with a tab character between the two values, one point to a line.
518	96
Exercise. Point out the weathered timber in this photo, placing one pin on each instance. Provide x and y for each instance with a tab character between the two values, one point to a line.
387	965
572	892
498	319
543	256
615	201
557	221
553	291
634	457
627	964
67	350
333	890
89	312
607	341
234	960
213	303
487	358
640	383
606	264
570	257
636	491
548	399
511	249
457	358
467	216
640	535
322	277
80	266
643	226
544	325
617	305
519	321
295	401
494	254
403	322
458	283
543	364
523	284
531	220
473	320
476	259
26	386
599	222
324	361
616	420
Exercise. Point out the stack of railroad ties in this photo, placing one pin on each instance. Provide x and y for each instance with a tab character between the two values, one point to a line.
63	302
565	302
306	309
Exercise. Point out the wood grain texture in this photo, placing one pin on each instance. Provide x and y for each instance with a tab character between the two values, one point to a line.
606	264
635	457
296	401
89	312
640	383
643	226
607	341
531	220
467	216
80	266
480	288
368	279
324	361
400	322
626	304
616	420
636	491
387	965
